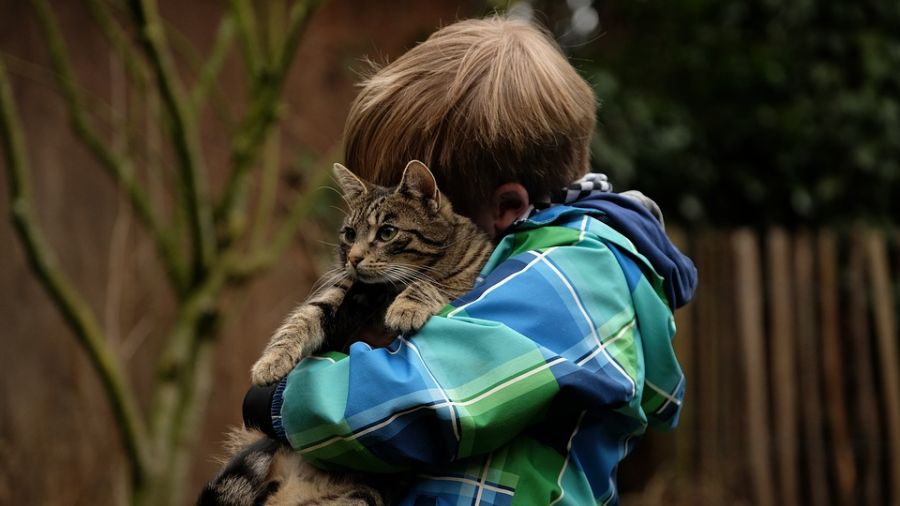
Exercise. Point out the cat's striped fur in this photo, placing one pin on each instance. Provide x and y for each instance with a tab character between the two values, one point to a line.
263	471
404	254
407	243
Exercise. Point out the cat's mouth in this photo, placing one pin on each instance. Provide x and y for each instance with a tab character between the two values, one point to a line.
368	278
364	275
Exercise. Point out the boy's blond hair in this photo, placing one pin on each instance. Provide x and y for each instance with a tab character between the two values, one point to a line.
482	103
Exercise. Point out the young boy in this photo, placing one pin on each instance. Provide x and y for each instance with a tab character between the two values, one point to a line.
531	388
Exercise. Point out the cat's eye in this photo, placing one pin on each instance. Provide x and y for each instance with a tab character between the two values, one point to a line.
386	233
349	234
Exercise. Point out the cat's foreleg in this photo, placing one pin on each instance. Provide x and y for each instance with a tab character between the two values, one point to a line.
301	334
360	496
413	306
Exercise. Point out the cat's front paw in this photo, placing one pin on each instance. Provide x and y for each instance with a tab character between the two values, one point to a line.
358	495
300	334
406	316
271	367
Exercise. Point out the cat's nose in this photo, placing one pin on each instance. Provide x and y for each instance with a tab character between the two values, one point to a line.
354	259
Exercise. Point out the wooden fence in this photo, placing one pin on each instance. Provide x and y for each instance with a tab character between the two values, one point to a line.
790	350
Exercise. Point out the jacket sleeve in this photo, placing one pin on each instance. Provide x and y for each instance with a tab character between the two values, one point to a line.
545	324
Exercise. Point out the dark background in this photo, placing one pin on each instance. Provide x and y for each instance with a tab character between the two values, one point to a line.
769	133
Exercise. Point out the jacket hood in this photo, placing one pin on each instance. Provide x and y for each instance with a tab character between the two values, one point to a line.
632	219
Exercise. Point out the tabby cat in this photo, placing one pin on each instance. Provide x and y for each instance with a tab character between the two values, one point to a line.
404	254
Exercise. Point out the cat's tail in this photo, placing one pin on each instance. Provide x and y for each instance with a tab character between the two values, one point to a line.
245	479
266	472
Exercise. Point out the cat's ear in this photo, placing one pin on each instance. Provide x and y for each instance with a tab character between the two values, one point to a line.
351	185
416	176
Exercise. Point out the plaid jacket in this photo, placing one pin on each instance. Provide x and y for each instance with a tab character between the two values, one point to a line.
528	390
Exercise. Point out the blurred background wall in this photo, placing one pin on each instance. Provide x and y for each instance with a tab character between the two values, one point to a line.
57	441
769	134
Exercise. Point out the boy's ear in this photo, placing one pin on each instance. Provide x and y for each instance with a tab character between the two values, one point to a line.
351	185
416	176
509	203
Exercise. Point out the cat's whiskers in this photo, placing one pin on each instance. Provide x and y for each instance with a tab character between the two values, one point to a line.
435	270
410	271
329	279
327	275
408	276
340	194
341	209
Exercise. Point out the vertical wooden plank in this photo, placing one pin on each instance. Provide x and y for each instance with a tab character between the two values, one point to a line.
869	426
685	454
749	297
732	452
808	351
707	420
833	368
886	334
783	359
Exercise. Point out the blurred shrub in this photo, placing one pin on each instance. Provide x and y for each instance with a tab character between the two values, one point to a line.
746	111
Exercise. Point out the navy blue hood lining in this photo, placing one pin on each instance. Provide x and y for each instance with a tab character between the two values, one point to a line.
630	218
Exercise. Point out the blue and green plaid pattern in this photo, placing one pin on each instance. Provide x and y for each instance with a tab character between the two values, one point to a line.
528	390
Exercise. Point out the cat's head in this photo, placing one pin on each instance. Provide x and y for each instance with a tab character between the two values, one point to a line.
393	235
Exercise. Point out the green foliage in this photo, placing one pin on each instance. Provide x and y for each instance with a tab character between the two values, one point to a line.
751	111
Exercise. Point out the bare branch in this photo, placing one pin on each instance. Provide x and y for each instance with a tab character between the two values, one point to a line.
178	364
214	62
184	136
118	41
184	51
271	161
50	78
118	167
267	191
246	21
276	25
263	258
260	118
196	390
300	15
68	301
207	68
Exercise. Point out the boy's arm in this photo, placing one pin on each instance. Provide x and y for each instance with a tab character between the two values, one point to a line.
544	322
